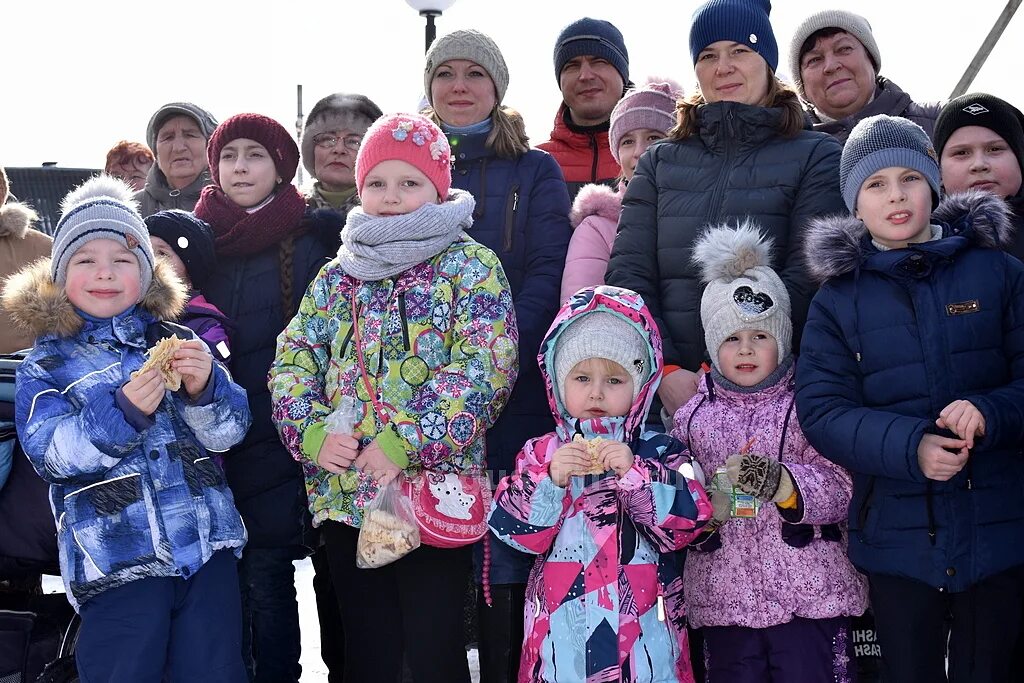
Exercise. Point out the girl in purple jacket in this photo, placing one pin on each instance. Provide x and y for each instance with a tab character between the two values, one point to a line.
768	581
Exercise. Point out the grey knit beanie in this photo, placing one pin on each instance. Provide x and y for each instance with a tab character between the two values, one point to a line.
207	124
340	111
742	292
884	141
854	24
470	45
601	334
101	208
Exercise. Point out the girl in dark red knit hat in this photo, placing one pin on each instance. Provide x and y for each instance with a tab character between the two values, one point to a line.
268	247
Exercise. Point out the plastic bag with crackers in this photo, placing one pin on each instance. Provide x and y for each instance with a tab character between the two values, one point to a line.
161	358
593	452
389	529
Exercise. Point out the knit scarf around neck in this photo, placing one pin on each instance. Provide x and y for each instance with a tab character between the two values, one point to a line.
237	232
379	247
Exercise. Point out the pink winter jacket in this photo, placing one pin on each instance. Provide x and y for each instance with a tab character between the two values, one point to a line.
750	573
594	218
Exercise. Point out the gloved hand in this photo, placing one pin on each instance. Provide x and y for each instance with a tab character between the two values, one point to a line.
761	477
721	505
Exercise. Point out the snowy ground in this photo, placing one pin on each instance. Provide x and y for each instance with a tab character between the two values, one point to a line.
313	668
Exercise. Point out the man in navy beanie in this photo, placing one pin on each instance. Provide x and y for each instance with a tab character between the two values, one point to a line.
592	69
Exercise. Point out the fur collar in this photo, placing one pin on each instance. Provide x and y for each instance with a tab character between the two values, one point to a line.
15	219
38	304
835	245
596	200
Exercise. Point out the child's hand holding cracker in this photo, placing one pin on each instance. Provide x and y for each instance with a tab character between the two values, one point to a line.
194	363
616	456
145	390
570	459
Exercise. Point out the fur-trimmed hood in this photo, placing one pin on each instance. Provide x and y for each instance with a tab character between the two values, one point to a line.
597	200
38	304
15	219
836	245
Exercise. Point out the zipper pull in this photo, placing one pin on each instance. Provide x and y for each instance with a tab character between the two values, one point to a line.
661	607
515	200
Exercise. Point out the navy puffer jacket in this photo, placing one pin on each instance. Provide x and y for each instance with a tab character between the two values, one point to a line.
268	484
737	166
891	339
522	214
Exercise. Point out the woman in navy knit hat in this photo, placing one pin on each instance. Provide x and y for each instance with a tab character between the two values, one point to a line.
739	149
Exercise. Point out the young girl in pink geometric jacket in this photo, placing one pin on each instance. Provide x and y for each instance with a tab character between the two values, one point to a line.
773	593
604	599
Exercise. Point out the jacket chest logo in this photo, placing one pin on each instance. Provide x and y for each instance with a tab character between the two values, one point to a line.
963	307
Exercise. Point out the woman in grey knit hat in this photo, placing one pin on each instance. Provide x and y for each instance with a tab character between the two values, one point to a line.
522	214
177	134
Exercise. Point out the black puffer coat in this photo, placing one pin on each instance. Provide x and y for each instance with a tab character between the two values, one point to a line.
268	485
737	167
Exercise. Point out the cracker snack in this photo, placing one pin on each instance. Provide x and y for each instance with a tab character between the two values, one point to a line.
160	358
384	538
593	452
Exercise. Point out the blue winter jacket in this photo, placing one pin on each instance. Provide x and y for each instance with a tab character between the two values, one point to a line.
522	214
891	339
134	496
268	484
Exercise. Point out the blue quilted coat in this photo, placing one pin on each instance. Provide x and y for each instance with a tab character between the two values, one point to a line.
134	496
892	338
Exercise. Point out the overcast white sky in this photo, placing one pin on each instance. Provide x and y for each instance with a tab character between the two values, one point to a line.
82	75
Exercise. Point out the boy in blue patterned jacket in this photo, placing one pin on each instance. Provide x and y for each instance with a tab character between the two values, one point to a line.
147	529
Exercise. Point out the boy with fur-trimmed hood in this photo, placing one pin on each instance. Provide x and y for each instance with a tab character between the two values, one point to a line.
147	529
911	376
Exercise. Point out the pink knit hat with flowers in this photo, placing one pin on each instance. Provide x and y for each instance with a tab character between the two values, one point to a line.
410	138
264	130
651	106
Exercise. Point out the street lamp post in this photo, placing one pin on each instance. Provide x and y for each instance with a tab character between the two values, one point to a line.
430	9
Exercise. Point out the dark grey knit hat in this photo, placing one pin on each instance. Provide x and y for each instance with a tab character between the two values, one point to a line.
593	37
340	111
207	124
883	141
474	46
101	208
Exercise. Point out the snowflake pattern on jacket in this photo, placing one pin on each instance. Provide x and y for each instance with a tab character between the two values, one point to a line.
603	543
440	343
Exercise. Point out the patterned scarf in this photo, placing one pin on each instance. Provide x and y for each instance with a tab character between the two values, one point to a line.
378	247
238	232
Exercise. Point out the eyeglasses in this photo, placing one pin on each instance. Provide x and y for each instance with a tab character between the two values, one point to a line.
330	141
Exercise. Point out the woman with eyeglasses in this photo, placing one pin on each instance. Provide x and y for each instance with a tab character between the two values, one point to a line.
330	140
522	214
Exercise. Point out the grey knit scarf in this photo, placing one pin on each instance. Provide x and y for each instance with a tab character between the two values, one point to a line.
378	247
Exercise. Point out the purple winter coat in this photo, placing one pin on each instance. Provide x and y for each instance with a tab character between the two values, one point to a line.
755	574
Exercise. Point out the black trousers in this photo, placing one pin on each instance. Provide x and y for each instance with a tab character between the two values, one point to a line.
501	632
332	633
985	620
410	609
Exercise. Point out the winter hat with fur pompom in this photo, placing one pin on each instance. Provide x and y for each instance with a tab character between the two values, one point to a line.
101	208
743	292
410	138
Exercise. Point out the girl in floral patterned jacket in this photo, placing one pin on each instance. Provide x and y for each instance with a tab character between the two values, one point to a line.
604	599
420	314
769	582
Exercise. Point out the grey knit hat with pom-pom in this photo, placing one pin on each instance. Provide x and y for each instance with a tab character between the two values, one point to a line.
743	292
101	208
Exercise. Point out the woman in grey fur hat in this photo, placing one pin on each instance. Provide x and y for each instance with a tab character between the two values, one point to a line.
330	139
177	133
